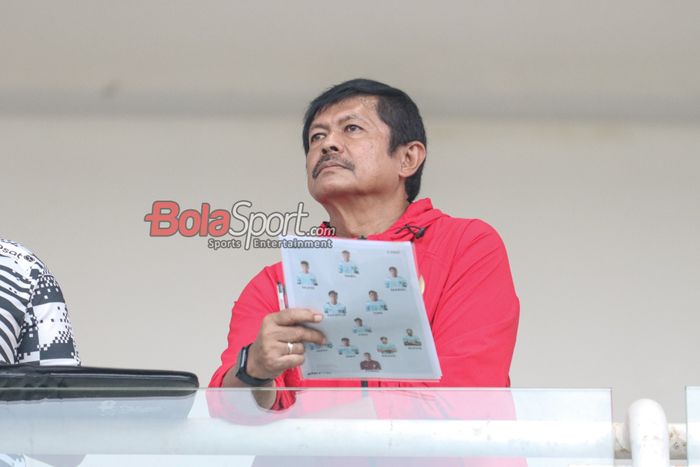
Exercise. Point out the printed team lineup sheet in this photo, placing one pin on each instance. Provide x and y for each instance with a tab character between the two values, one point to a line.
374	320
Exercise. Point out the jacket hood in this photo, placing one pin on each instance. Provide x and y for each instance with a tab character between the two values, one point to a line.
412	224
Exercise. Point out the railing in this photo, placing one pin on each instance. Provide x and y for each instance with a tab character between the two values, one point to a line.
433	427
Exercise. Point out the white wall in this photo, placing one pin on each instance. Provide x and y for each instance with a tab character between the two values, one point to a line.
600	219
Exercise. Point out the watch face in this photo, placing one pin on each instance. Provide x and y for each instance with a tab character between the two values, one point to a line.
242	357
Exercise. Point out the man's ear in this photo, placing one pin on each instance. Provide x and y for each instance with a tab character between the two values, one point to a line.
411	156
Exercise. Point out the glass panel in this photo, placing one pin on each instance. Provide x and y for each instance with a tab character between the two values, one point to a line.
338	427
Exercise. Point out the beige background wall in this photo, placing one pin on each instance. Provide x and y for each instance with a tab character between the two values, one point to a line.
600	219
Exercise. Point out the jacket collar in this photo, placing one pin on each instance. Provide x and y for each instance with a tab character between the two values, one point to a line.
412	224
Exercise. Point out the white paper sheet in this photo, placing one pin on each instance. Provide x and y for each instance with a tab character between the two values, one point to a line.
393	326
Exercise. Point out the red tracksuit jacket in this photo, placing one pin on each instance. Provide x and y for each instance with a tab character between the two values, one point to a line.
469	297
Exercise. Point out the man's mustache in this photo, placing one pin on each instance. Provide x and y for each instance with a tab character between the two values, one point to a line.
346	164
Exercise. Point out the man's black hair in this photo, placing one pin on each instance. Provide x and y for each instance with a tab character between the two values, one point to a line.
394	108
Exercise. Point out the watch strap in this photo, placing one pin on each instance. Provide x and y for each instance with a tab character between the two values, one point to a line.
242	372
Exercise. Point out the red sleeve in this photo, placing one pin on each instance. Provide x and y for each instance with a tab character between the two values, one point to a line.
258	299
477	317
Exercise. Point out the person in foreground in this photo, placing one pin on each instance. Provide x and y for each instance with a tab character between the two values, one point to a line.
365	150
34	326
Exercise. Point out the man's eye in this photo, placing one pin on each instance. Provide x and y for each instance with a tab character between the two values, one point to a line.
352	128
316	137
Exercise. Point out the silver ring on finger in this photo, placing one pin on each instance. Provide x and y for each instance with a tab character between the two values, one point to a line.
290	347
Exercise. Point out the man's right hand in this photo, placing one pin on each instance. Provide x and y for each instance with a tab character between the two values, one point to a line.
270	355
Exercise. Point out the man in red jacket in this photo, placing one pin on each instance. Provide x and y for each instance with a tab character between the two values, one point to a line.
365	148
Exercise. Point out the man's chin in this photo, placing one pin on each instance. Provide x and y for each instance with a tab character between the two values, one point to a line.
329	191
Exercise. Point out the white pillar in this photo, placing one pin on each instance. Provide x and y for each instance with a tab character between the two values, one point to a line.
647	434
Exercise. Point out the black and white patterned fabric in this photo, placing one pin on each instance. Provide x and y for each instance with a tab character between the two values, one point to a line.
34	323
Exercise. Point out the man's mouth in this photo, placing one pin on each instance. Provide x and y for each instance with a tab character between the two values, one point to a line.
325	163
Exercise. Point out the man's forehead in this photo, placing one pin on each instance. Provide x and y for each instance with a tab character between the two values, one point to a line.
363	106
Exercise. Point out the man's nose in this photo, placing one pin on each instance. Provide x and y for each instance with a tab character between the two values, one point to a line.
330	144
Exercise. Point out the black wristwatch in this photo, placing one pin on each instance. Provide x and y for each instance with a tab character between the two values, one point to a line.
243	375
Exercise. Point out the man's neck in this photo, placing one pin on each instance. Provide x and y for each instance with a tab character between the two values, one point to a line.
360	217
